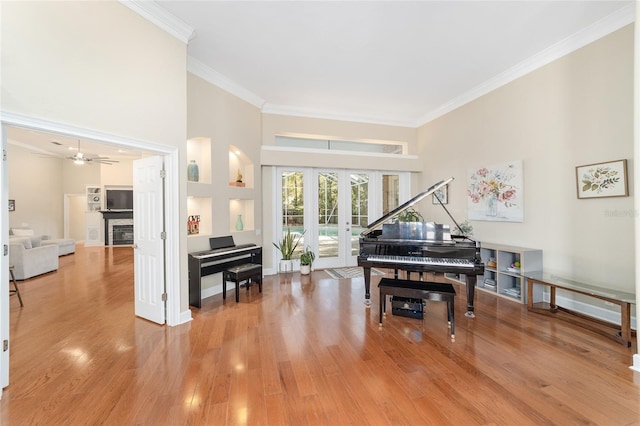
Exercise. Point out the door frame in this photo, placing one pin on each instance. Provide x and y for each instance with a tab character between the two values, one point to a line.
171	211
309	182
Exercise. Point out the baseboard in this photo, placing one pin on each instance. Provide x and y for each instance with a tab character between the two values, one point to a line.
591	310
211	291
185	317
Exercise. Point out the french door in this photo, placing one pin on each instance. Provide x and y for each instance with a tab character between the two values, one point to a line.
329	208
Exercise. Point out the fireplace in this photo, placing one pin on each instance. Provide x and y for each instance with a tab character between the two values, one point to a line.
118	227
122	234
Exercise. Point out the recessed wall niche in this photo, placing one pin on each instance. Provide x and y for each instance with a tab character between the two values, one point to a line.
240	168
199	150
199	208
241	216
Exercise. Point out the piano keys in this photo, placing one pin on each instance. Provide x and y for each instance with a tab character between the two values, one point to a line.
419	247
224	253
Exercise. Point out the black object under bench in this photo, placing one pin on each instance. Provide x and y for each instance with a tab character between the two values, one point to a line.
439	292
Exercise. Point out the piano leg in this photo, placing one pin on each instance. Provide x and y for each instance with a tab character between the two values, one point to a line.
471	291
367	286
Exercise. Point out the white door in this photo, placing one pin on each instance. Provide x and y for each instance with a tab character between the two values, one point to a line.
148	228
333	207
343	200
4	267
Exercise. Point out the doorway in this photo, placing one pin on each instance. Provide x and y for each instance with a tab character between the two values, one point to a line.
328	209
171	213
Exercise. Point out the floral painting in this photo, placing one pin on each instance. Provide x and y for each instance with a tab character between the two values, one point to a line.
496	193
602	180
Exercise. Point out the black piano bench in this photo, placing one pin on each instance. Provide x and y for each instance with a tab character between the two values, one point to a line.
439	292
249	272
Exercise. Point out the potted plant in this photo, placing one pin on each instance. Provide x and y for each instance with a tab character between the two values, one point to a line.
410	215
286	247
306	260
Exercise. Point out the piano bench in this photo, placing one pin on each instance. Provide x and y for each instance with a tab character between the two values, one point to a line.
249	272
439	292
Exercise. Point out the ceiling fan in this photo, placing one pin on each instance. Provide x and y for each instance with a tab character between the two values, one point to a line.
80	158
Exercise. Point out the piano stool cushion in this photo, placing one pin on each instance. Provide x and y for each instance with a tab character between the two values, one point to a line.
250	272
419	290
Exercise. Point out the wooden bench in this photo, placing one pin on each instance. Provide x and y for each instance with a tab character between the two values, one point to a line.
621	333
439	292
249	272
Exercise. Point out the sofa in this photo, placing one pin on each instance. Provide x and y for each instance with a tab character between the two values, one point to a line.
65	245
30	258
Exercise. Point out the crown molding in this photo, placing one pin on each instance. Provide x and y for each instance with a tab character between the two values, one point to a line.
159	16
207	73
311	113
593	32
40	124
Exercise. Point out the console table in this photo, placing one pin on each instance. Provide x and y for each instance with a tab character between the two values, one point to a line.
620	333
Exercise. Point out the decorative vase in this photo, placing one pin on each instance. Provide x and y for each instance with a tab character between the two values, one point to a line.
193	174
239	224
492	206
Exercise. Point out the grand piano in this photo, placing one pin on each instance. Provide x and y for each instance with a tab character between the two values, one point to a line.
419	247
224	253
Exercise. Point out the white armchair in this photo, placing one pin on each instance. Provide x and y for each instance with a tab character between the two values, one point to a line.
30	261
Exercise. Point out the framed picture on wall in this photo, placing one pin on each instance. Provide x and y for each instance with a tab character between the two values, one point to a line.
12	205
440	194
602	180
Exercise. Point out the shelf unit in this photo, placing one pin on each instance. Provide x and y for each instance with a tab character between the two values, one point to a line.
94	198
500	275
92	216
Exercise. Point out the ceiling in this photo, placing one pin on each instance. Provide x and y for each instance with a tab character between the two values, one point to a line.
392	62
388	62
64	146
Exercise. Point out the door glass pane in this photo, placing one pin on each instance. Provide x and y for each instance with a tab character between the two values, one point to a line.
359	209
293	207
390	192
328	242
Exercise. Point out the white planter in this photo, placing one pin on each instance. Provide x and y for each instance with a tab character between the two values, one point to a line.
286	266
305	269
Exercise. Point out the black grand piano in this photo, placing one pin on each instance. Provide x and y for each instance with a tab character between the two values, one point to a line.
419	247
224	254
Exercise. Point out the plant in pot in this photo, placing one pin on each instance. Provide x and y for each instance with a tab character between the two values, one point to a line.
287	246
410	215
306	261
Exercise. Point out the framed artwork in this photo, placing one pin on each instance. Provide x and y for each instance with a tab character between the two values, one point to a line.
496	193
441	194
602	180
12	205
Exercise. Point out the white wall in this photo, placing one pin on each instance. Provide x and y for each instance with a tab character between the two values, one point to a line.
98	66
575	111
36	184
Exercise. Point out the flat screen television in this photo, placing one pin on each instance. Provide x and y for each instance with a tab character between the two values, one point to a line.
119	199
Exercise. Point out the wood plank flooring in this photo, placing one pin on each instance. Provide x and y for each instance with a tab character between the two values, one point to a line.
304	352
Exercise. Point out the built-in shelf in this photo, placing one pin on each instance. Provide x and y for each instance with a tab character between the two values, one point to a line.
240	165
199	150
243	209
94	198
199	208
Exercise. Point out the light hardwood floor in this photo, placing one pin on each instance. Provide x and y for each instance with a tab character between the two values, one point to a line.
299	353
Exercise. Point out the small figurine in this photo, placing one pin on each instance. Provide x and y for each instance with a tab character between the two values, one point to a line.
239	177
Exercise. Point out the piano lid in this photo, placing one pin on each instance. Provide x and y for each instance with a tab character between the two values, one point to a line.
378	223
